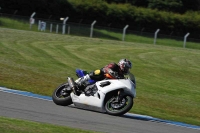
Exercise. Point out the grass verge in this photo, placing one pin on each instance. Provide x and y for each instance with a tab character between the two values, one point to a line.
9	125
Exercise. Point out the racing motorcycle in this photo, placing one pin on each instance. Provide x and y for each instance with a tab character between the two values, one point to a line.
111	96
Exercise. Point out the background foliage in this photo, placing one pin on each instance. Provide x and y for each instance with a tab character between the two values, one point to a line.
177	16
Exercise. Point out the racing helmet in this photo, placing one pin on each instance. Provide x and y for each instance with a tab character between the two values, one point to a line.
125	65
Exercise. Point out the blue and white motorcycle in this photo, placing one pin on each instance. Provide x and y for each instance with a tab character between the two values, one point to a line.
112	96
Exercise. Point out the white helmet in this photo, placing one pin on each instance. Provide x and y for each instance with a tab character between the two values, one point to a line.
125	65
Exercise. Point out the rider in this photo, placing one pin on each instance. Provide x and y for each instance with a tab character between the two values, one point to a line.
110	71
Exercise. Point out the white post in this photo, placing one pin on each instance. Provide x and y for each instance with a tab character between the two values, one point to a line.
57	28
51	27
39	23
91	30
155	36
64	25
124	32
185	38
33	14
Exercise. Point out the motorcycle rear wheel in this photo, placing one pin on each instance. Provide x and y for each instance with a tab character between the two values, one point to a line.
119	108
61	95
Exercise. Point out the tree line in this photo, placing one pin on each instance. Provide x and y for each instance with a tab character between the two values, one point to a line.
177	16
179	6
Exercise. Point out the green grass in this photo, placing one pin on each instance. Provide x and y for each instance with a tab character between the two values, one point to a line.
20	23
168	78
9	125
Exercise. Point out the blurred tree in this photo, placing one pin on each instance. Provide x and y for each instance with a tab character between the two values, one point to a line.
140	3
166	5
179	6
193	5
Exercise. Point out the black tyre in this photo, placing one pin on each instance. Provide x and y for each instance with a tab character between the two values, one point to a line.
118	108
61	95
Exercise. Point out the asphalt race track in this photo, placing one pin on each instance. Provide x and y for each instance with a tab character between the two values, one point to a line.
44	110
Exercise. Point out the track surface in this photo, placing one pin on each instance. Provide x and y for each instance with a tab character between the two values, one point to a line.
33	109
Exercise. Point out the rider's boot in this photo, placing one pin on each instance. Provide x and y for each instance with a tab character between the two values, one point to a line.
83	80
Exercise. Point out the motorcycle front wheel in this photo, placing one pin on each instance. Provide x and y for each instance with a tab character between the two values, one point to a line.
120	107
61	95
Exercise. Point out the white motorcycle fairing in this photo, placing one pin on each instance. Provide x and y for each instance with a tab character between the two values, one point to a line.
96	102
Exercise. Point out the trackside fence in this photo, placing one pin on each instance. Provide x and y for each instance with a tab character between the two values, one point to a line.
95	31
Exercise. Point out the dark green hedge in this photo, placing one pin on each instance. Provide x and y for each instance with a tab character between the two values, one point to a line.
137	17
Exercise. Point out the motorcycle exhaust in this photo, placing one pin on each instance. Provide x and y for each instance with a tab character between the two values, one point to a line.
72	84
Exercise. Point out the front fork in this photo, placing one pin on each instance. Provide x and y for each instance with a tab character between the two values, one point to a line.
119	95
